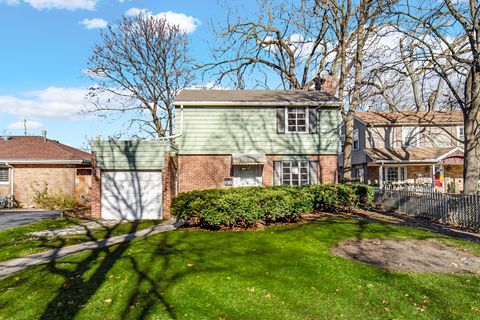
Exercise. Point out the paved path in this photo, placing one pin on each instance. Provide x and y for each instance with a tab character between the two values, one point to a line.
14	265
15	218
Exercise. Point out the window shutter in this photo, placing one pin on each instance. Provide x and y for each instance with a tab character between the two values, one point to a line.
280	120
277	171
312	115
313	172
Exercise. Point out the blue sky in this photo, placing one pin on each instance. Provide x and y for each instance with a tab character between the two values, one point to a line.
45	46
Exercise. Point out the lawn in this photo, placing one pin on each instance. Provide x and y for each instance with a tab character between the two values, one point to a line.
283	272
16	242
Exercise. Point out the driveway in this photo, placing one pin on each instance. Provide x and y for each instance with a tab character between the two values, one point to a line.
15	218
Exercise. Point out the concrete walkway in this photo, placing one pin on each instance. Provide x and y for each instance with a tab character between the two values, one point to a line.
14	265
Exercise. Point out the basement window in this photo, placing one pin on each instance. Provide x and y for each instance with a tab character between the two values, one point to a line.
4	176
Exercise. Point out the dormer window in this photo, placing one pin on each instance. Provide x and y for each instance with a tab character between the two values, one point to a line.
297	120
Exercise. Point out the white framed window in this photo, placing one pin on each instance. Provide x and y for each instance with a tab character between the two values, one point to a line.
410	136
296	120
460	134
395	174
295	173
4	175
356	140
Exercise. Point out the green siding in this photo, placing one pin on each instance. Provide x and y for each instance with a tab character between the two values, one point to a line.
134	154
225	130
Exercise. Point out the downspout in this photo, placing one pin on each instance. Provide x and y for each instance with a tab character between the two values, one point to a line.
181	128
11	183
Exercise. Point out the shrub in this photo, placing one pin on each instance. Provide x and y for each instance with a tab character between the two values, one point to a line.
243	207
58	201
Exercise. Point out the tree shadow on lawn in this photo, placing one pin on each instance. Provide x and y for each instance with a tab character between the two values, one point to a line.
152	269
154	265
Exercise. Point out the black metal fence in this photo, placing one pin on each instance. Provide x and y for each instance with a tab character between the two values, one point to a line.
452	209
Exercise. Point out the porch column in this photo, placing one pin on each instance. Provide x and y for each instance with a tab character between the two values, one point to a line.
433	176
380	176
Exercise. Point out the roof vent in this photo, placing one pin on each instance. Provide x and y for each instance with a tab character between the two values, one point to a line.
5	138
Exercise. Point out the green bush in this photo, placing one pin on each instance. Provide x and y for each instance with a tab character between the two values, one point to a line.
58	201
243	207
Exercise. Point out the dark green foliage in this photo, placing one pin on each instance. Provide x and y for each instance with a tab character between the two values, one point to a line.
243	207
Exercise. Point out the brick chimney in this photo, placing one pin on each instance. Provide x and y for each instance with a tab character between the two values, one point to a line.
328	85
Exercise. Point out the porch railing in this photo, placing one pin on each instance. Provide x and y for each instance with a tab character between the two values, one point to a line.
450	209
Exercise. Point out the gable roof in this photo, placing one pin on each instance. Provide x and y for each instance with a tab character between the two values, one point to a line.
37	149
410	117
410	154
254	98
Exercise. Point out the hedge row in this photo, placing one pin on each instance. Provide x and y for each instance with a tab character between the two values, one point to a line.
243	207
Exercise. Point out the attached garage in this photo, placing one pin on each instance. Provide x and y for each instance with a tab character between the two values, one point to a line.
131	195
133	178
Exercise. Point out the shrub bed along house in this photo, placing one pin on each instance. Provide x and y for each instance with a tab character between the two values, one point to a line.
243	207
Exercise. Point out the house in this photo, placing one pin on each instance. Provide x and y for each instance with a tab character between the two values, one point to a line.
224	139
29	163
408	147
236	138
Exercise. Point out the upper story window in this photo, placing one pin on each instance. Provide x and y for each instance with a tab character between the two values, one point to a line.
4	176
410	136
297	120
356	140
460	134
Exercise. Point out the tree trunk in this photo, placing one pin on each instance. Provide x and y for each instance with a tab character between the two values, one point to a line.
471	161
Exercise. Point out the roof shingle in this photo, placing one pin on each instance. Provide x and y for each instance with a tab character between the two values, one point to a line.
37	148
245	97
433	117
411	154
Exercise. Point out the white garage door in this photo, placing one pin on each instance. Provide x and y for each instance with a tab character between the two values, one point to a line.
131	195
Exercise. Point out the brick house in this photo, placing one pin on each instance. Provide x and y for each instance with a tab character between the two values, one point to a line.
408	147
224	139
29	163
234	138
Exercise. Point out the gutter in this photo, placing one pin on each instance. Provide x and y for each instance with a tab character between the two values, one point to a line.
256	103
44	161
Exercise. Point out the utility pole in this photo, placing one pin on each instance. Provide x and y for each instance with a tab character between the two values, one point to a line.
25	126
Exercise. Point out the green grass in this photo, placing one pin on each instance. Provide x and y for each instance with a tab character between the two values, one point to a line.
284	272
16	242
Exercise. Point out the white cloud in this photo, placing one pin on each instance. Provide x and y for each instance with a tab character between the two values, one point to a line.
187	24
20	125
94	23
57	4
51	103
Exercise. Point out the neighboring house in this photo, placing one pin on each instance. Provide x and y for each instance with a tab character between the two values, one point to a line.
224	139
30	163
235	138
412	147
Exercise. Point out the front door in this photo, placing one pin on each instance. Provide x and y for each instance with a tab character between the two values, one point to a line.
248	176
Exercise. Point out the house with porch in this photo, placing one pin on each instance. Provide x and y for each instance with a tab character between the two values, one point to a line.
408	147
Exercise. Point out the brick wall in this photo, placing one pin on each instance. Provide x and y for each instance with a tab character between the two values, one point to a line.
30	178
96	205
169	183
209	171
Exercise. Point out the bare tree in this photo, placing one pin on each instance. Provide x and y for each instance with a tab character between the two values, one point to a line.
284	38
447	36
139	66
353	25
